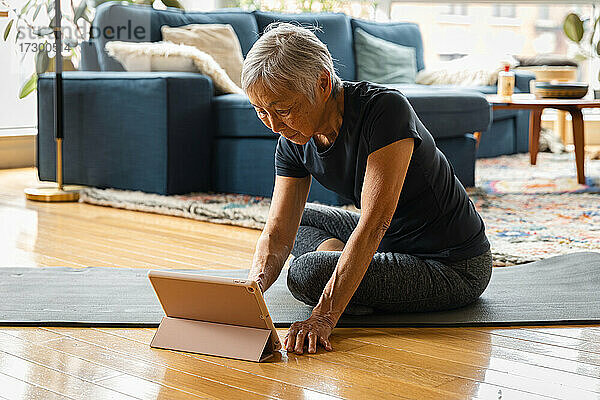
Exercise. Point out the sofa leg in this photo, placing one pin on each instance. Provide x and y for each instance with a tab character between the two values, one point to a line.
478	138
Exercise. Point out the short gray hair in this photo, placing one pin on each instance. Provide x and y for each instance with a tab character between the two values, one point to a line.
288	55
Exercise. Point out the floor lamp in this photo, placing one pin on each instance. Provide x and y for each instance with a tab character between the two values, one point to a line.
56	194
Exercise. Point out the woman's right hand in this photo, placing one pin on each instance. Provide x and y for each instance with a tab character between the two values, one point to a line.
253	276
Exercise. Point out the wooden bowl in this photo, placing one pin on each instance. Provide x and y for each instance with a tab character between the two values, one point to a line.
560	90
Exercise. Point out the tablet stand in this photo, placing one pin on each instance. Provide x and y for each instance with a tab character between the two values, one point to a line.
223	340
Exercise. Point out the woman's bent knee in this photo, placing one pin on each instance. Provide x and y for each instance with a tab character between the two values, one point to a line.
481	268
309	273
479	271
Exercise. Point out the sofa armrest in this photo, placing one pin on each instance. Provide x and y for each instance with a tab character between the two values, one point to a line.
522	79
149	131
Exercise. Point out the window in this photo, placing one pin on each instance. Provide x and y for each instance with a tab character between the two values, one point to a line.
492	29
504	10
544	12
18	116
455	9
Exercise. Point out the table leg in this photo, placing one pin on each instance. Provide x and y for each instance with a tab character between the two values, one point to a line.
535	121
578	140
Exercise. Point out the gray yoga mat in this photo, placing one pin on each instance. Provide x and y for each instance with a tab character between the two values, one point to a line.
559	290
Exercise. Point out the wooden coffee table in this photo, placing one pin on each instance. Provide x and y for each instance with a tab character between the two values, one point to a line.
528	101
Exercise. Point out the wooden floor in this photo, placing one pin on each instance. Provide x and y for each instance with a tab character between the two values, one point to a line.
57	363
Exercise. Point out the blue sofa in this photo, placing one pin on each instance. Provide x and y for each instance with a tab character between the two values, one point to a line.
166	132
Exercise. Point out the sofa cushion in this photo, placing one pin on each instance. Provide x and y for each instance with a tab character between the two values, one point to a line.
140	57
335	33
235	117
171	57
447	112
485	89
470	70
138	23
402	33
254	173
217	40
89	57
400	64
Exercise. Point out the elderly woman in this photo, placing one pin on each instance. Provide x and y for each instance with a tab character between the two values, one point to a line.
418	244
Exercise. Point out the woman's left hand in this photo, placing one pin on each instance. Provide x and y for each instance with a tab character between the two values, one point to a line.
316	329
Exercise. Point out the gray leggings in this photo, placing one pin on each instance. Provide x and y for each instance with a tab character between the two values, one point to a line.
393	283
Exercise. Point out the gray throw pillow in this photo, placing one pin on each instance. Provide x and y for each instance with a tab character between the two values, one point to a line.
380	61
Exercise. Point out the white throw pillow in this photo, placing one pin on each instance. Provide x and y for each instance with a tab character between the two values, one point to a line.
167	56
471	70
218	40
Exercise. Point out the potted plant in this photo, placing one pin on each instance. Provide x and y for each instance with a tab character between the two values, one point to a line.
32	29
575	29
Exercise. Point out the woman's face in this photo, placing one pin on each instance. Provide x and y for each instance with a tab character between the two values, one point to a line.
289	114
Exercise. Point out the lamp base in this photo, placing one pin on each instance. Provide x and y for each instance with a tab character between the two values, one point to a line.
51	194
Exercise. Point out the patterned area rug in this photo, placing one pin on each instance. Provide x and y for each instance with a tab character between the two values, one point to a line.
553	173
523	227
530	212
231	209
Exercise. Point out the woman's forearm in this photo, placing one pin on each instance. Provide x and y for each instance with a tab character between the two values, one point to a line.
269	257
384	178
349	272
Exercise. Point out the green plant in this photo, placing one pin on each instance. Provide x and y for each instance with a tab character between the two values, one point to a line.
168	3
326	5
295	5
575	29
75	25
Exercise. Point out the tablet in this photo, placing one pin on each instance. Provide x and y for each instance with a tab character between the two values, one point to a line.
232	309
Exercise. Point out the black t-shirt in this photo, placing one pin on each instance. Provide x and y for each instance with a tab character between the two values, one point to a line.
434	218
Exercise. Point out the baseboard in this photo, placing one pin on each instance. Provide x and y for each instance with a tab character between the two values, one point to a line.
17	151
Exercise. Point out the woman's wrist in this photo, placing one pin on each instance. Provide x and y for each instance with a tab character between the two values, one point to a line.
325	311
257	274
261	285
269	258
265	275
